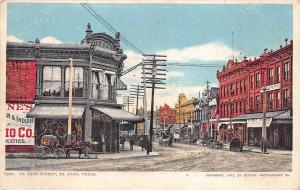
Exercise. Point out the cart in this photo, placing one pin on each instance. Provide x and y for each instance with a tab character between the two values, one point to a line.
50	147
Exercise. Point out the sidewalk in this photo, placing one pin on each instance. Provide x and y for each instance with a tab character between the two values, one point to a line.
124	153
257	149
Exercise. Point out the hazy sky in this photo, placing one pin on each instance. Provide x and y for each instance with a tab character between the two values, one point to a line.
190	33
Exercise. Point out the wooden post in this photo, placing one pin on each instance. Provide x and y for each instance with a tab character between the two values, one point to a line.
70	101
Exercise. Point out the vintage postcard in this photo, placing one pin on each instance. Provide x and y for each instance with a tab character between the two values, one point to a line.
152	95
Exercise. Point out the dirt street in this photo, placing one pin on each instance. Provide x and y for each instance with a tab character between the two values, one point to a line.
180	157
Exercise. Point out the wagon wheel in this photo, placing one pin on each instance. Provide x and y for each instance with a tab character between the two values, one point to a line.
39	151
46	151
59	152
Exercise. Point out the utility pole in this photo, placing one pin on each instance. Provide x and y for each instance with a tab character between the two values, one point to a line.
153	79
127	102
70	101
264	128
146	130
137	91
207	107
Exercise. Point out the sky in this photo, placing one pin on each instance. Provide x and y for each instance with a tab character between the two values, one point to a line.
186	33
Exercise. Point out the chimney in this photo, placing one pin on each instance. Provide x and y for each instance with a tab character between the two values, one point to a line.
245	57
286	41
265	50
280	46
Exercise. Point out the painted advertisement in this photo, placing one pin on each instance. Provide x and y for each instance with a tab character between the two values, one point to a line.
19	129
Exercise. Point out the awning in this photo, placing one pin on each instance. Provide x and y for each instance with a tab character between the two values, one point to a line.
121	85
119	114
55	112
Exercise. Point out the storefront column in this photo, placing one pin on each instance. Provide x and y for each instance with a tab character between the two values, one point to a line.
88	124
247	135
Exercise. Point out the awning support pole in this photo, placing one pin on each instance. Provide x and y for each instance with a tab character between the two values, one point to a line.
70	101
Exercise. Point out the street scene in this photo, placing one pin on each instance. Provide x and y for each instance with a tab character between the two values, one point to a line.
149	87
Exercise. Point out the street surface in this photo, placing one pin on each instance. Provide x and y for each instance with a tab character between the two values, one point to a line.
180	157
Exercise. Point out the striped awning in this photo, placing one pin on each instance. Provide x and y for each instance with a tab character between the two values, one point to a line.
121	85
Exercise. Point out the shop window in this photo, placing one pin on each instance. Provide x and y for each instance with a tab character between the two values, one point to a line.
77	85
278	74
286	71
271	75
51	81
257	80
270	101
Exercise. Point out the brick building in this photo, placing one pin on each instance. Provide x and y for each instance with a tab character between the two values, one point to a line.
240	107
167	115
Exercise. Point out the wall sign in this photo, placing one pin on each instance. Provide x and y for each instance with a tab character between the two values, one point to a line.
19	129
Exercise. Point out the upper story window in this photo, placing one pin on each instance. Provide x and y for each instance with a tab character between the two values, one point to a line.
278	100
102	84
286	71
257	80
271	76
278	74
241	86
232	89
270	102
51	81
77	85
251	103
237	87
257	103
251	82
286	97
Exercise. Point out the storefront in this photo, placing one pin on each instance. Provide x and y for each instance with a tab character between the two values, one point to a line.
278	124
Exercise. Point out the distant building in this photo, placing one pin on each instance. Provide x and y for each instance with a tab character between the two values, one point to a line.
167	115
184	109
206	112
240	107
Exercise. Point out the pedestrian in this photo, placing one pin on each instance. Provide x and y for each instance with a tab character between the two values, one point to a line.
131	142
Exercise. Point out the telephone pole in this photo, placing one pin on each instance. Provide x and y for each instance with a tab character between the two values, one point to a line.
264	128
154	75
136	91
127	102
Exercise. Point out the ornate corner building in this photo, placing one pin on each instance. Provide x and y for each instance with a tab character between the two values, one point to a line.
240	105
38	80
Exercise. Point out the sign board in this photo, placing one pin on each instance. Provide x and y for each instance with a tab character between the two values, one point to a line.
19	129
271	87
176	135
256	123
